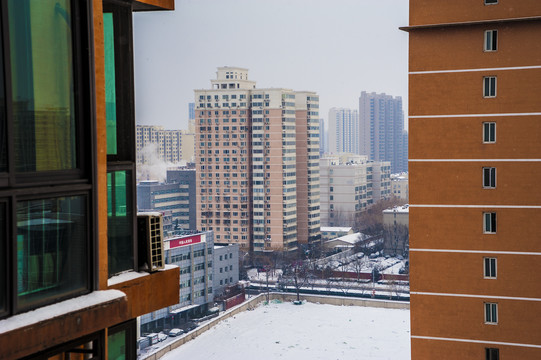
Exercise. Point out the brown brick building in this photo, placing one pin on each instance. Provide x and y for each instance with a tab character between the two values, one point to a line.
475	156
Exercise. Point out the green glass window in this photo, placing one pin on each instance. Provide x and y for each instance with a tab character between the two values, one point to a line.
52	249
42	81
119	84
110	86
116	346
121	341
120	221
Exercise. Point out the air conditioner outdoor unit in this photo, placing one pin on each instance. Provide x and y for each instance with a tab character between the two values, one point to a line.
150	238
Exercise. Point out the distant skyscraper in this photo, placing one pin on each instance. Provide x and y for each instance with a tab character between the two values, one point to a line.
382	135
323	143
343	131
191	109
257	157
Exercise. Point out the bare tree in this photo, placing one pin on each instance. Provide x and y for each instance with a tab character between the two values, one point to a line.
296	274
371	221
396	238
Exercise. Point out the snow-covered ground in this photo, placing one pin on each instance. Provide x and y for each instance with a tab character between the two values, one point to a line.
308	331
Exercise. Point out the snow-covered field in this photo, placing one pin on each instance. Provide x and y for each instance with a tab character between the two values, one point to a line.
307	331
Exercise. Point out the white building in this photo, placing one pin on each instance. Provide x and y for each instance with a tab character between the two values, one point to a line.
226	267
344	189
399	186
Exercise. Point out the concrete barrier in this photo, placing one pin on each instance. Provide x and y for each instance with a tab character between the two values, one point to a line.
285	297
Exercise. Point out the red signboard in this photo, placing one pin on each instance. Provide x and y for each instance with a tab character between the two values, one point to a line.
184	241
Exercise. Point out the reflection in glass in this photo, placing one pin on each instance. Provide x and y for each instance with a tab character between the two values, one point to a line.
110	82
52	248
116	346
40	41
120	221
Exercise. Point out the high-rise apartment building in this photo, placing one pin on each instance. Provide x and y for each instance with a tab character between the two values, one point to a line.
251	188
344	133
165	144
381	128
67	187
475	125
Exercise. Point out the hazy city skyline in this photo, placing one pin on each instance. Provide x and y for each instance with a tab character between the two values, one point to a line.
337	49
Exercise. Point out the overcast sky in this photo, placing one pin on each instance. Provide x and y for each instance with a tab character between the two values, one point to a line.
337	48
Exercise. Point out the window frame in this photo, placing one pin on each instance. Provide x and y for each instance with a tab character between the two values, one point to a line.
492	45
490	268
84	109
491	313
126	156
489	177
16	187
489	128
489	88
124	80
491	2
492	216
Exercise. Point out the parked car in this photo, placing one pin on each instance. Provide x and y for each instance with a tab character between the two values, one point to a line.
175	332
189	326
162	337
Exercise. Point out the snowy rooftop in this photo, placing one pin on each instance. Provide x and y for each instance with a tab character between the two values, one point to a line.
335	229
350	238
59	309
309	331
400	209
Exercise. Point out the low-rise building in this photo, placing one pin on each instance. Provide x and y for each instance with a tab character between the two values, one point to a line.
193	254
226	267
396	230
399	186
344	242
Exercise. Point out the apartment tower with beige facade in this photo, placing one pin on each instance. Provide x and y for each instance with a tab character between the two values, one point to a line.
258	180
475	158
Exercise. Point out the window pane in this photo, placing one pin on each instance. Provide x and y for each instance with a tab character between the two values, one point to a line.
492	86
110	85
116	346
488	40
42	85
52	248
120	221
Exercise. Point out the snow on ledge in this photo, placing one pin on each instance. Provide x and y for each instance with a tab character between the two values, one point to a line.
132	275
59	309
